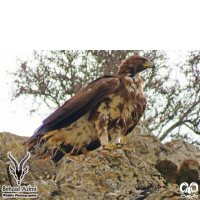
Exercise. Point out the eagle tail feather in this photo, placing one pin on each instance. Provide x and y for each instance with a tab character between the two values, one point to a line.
57	156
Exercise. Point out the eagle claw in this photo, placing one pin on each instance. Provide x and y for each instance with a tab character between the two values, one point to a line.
121	144
111	147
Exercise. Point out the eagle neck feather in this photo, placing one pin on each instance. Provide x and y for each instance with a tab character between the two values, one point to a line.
134	83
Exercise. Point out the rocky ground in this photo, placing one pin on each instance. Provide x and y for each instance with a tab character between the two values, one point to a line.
153	171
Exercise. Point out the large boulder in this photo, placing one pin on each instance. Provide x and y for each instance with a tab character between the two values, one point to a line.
154	171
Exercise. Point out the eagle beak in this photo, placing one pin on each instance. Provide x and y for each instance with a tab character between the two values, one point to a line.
149	64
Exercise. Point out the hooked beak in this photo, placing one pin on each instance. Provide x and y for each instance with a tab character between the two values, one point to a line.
149	64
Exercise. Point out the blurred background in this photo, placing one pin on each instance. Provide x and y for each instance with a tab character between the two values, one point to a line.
35	83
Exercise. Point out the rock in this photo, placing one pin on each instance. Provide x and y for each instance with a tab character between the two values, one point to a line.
188	171
4	178
154	172
164	194
168	169
150	149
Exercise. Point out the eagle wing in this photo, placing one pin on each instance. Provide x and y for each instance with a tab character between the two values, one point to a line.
79	104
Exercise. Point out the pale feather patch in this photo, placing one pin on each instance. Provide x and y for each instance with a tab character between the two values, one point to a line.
132	85
114	111
81	134
101	123
129	84
138	84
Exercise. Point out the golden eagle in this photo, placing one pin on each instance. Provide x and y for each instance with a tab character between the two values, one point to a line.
103	112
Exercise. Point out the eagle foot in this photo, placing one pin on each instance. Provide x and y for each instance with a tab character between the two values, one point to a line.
112	147
107	147
128	149
121	144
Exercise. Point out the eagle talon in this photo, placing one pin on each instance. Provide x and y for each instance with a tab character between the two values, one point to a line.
121	144
109	147
112	147
129	150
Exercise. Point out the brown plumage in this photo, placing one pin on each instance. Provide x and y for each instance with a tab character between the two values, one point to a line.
105	110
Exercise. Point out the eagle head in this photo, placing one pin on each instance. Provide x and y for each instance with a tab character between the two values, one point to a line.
133	65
